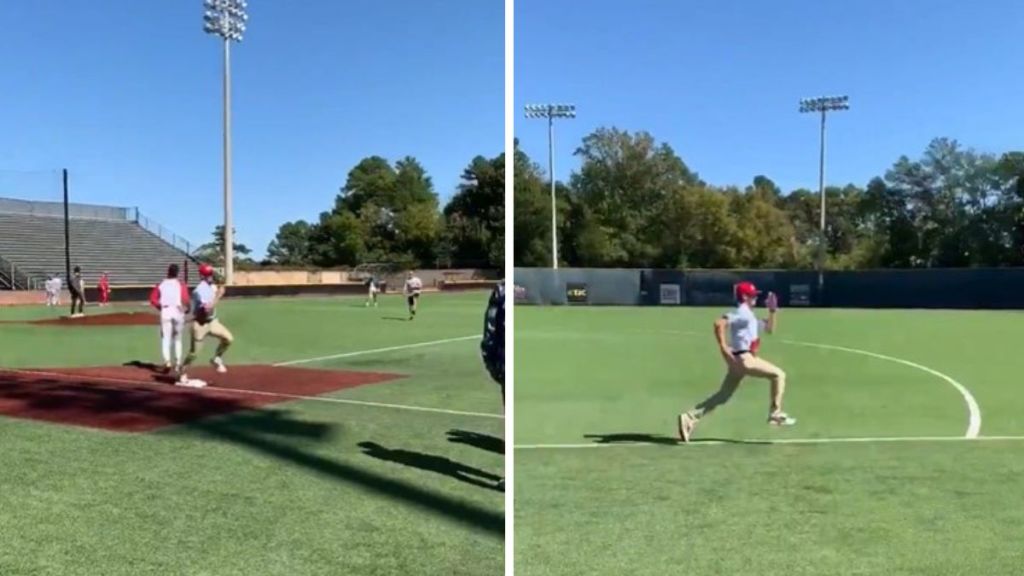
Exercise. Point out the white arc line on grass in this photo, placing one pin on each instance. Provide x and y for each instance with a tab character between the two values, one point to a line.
867	440
375	351
973	411
259	393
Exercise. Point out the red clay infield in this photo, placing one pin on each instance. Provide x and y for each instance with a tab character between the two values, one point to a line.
112	319
137	398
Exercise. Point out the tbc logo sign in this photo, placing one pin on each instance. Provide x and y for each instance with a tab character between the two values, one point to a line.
576	292
670	294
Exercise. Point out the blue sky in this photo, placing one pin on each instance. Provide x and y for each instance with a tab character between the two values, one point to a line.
721	81
126	94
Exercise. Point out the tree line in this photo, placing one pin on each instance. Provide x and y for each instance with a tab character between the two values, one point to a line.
389	213
633	202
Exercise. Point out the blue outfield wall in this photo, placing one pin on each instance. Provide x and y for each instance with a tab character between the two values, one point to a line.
969	288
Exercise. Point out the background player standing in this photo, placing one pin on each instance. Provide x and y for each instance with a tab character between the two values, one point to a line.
204	320
51	291
371	286
77	287
58	287
741	359
170	297
104	289
413	287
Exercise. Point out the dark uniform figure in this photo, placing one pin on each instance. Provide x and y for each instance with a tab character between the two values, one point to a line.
77	289
492	347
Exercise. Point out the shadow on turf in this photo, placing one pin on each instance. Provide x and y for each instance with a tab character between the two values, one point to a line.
251	431
395	318
431	463
266	432
477	440
640	438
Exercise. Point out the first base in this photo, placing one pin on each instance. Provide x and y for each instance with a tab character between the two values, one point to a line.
192	383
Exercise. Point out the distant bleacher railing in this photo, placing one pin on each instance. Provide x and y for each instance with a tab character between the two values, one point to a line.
11	278
156	229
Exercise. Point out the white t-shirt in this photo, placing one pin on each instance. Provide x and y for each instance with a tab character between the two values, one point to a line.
743	329
203	296
413	285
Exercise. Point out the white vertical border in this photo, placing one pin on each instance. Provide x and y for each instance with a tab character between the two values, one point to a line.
510	289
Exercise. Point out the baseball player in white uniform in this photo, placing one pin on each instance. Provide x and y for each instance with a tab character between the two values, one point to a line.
373	290
741	360
171	298
413	287
50	285
54	290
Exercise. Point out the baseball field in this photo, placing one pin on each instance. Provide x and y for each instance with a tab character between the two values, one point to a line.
342	440
907	456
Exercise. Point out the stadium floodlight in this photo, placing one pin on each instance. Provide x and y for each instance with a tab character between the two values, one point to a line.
552	111
823	105
226	19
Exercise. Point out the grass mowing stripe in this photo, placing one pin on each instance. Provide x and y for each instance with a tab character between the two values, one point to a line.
714	442
376	351
261	393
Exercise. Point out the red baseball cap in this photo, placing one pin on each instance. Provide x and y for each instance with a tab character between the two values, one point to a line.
205	270
746	289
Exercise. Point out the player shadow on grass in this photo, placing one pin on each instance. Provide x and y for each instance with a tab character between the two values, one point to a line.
477	440
431	463
250	432
641	438
396	318
273	433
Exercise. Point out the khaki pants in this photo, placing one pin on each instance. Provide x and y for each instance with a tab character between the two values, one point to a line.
742	366
212	328
201	331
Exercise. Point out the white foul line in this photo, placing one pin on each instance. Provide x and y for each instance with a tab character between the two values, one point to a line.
697	442
973	411
375	351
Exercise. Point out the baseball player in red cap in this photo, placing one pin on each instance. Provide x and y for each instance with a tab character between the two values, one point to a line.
204	319
741	359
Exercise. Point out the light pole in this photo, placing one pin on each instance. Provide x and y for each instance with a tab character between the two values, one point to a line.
226	18
823	105
552	111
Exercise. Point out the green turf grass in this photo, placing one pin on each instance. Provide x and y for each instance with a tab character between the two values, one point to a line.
644	505
284	490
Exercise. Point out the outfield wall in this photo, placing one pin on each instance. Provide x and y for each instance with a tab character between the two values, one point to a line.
926	288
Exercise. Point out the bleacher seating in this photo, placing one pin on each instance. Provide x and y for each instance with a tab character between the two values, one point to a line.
129	253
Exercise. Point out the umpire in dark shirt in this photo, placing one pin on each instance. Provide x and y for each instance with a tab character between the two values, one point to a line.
77	289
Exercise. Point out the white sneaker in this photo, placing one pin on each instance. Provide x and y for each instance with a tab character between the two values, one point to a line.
219	364
686	426
781	419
